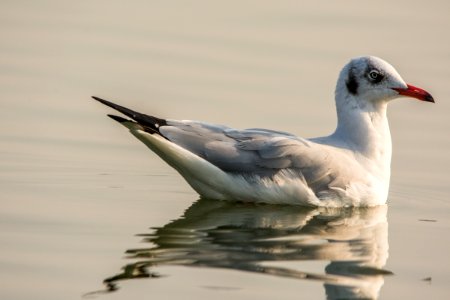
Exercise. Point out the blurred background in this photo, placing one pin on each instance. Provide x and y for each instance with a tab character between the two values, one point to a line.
76	187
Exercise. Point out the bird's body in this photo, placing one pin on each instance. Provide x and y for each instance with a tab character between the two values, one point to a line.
350	167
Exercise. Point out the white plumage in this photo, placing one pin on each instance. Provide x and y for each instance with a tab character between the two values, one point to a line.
350	167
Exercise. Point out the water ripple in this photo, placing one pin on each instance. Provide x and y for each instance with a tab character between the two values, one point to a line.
352	243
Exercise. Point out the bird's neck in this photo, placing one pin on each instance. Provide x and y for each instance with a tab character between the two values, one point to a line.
364	128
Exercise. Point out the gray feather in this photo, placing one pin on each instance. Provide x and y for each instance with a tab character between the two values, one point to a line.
253	151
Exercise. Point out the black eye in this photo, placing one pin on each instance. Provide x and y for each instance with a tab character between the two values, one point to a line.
375	76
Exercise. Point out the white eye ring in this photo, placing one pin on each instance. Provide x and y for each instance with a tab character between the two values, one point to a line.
374	74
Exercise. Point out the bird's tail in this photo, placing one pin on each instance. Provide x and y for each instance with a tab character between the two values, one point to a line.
147	123
130	124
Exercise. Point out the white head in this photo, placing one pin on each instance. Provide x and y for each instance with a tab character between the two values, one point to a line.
364	88
371	80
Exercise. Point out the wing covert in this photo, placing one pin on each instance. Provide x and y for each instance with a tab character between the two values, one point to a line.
256	151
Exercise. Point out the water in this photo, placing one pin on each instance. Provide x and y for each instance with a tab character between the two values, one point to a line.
83	202
351	245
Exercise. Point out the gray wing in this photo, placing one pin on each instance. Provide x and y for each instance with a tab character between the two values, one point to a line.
253	151
259	152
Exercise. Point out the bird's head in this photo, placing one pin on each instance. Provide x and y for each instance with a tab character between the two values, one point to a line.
372	80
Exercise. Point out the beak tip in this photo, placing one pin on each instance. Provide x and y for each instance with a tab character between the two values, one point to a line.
429	98
415	92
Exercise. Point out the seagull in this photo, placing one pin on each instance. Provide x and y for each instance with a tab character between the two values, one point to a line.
350	167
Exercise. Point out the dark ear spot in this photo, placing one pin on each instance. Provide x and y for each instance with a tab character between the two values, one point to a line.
351	83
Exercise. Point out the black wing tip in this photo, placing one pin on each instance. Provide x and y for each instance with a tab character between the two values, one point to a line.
145	120
119	119
97	98
127	112
106	102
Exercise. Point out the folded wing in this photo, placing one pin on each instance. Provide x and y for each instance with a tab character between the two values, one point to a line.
256	151
250	152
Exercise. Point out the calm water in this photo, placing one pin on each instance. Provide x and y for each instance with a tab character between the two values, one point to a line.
87	211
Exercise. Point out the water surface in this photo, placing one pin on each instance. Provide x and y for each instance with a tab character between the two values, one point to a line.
351	245
76	188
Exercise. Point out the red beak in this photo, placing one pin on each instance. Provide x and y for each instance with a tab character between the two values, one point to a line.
415	92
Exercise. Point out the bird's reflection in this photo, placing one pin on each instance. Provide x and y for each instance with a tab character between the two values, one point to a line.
266	239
